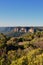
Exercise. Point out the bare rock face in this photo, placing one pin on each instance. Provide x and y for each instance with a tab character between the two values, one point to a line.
23	30
31	30
18	30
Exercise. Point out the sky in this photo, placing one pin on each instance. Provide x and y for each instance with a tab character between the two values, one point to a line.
21	13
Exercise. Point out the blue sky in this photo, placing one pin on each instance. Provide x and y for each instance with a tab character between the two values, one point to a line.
21	12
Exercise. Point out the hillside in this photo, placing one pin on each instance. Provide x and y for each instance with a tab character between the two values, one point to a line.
27	49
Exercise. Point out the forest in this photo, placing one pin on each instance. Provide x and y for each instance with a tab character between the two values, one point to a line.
26	49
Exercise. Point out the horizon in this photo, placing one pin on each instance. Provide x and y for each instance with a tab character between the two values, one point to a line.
22	26
24	13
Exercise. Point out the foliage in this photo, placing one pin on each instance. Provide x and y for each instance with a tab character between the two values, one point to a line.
24	50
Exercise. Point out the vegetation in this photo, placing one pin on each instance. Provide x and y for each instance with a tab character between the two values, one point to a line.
24	50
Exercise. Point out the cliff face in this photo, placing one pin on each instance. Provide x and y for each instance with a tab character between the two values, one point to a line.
19	29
